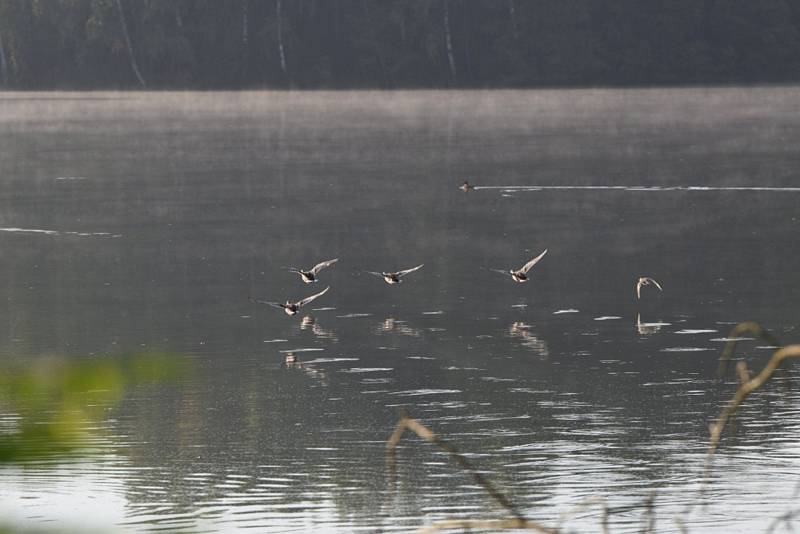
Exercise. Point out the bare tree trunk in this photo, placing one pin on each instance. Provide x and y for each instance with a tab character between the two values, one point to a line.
281	51
449	41
127	36
378	52
178	18
245	37
3	63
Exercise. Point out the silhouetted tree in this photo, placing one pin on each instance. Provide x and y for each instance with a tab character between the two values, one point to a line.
396	43
128	45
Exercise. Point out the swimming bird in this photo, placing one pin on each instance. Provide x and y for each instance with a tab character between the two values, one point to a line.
291	307
394	278
645	281
310	276
521	274
467	187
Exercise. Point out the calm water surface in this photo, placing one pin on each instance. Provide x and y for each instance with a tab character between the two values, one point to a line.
133	222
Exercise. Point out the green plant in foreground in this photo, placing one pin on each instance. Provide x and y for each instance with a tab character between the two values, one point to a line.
52	402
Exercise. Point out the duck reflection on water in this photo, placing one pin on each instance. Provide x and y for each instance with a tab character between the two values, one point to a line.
390	325
292	361
310	322
647	329
521	331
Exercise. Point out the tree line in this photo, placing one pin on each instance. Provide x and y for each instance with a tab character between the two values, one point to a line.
231	44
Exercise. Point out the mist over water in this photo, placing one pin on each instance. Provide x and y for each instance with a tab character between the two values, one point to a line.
134	221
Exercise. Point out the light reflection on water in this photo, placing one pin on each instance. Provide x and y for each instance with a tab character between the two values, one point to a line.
561	389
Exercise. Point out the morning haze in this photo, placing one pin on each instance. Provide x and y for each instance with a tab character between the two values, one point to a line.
145	386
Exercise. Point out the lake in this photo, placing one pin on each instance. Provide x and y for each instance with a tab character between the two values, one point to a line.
133	222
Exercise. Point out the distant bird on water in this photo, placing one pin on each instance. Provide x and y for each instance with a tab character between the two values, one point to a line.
394	278
310	276
290	307
645	281
521	274
467	187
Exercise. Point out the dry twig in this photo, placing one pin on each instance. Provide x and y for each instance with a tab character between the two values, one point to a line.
518	522
748	384
734	338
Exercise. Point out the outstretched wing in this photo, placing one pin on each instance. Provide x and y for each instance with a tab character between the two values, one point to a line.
527	267
312	297
501	271
379	275
321	265
268	303
654	283
403	273
639	288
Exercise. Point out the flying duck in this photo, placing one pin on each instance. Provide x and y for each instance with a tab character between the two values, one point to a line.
310	276
521	274
394	278
645	281
467	187
290	307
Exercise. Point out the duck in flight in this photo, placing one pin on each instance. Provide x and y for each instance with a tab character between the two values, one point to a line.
467	187
645	281
394	278
290	307
310	276
521	274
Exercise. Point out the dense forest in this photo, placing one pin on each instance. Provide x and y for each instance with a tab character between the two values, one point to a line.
208	44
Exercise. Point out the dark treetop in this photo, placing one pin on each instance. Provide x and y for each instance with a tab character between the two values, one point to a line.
201	44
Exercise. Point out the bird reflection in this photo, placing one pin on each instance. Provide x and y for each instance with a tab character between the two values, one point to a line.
322	333
521	331
393	326
291	361
646	329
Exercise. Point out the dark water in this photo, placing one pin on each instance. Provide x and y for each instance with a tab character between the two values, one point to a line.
163	212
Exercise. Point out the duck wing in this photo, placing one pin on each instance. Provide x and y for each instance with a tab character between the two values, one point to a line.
379	275
403	273
527	267
654	283
268	303
323	264
306	300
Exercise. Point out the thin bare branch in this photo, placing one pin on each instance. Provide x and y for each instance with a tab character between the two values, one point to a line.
784	353
425	433
582	506
785	518
499	524
733	338
650	514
